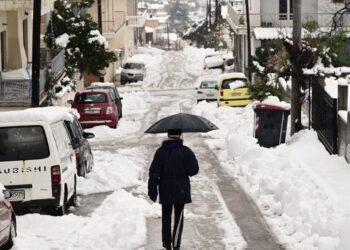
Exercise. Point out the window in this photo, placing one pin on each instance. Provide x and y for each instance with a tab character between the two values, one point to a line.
23	143
285	9
234	83
208	85
92	98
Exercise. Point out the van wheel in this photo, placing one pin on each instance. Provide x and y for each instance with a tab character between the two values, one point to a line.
62	210
12	235
73	200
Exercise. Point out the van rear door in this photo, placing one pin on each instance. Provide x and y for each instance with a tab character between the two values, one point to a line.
25	162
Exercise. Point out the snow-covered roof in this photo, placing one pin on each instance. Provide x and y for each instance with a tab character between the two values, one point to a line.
231	75
271	33
45	114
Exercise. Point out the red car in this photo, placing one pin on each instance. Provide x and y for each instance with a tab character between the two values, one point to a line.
7	222
96	107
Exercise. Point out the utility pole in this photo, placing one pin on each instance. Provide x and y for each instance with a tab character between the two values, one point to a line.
99	15
295	105
209	13
99	23
248	40
167	30
36	53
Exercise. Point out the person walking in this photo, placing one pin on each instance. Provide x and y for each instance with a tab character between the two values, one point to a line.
172	165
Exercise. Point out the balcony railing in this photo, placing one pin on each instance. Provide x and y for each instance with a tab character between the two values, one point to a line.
17	91
137	21
237	19
114	25
8	5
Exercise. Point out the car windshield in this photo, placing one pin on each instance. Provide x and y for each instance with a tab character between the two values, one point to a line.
23	143
133	66
92	98
208	85
234	83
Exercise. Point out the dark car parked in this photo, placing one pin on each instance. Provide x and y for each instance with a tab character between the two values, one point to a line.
115	95
83	153
8	224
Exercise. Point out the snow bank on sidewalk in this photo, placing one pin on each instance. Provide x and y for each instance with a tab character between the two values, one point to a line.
119	223
302	191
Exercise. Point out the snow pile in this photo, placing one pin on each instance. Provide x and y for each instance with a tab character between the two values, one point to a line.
62	41
195	59
301	190
120	169
119	223
97	37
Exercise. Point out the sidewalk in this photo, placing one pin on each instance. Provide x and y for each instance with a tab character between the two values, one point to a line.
217	199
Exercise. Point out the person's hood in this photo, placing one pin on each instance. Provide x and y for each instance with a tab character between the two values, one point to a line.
172	143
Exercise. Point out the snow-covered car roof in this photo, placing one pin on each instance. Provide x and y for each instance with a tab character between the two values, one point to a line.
45	114
102	84
134	60
232	75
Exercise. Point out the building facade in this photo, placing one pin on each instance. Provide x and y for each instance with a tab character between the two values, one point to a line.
121	26
270	18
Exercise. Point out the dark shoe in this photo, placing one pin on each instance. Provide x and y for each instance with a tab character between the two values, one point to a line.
176	248
167	246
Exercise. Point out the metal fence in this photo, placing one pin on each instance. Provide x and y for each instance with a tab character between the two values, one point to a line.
324	116
18	92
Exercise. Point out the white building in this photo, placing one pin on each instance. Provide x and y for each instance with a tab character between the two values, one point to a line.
269	17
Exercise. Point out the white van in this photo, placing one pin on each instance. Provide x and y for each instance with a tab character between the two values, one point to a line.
37	160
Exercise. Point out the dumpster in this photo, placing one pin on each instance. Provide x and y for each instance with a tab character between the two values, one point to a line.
270	124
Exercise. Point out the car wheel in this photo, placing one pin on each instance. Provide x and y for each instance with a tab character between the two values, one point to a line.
73	200
122	82
12	235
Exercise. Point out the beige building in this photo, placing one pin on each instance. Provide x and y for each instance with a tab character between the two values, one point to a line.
122	27
16	33
16	22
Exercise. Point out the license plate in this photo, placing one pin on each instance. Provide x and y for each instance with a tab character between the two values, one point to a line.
235	94
92	111
17	195
210	95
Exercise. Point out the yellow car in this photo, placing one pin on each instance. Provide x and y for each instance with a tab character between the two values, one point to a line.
233	90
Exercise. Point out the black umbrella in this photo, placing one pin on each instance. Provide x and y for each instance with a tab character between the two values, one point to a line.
185	122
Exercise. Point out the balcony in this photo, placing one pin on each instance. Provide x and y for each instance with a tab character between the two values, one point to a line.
137	21
10	5
237	19
111	27
16	85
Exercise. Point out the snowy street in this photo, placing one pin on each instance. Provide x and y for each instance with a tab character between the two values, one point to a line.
244	197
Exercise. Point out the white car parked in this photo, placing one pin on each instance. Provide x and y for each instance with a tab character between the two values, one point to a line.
207	90
37	160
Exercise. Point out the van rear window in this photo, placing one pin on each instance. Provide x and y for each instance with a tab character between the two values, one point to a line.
23	143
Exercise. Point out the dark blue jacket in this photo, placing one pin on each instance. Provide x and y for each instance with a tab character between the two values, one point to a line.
171	167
